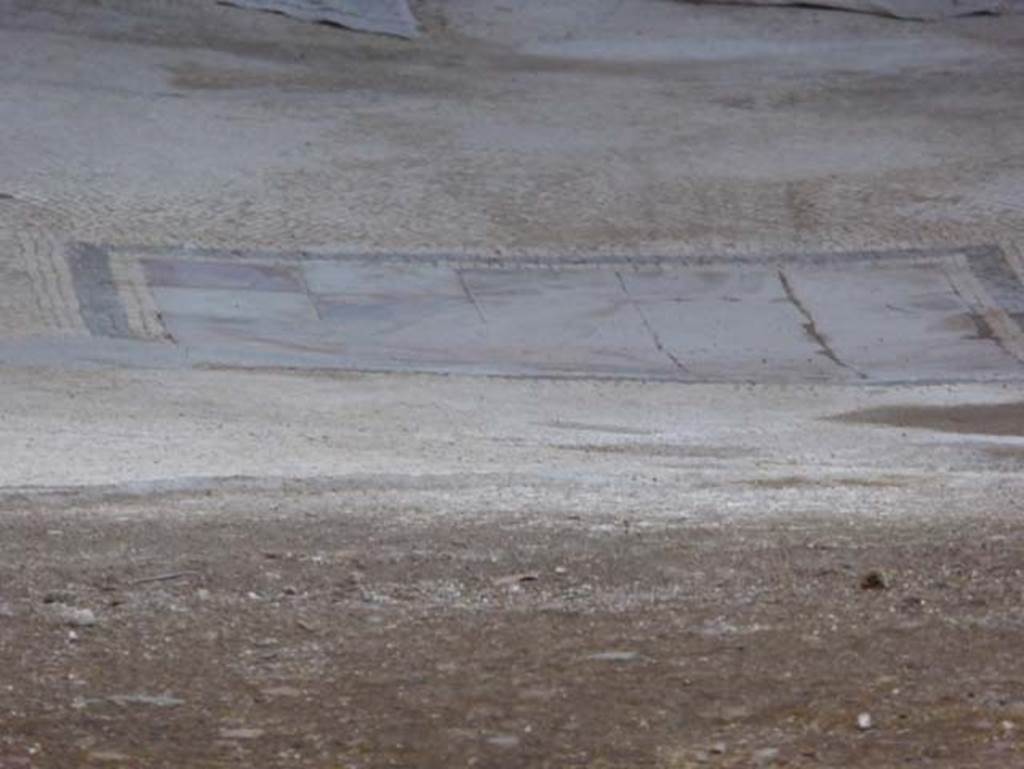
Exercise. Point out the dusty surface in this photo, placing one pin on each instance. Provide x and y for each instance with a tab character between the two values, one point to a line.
237	567
331	636
652	126
508	573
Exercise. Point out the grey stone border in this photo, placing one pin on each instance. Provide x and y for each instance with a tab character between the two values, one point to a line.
104	314
99	303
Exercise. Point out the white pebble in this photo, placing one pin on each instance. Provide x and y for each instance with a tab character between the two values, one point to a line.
77	617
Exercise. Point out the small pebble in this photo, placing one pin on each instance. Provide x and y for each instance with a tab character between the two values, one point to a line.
504	741
156	700
864	722
69	615
108	757
718	748
765	756
874	580
241	734
614	656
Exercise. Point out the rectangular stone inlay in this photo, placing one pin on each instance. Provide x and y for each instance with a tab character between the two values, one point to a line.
869	317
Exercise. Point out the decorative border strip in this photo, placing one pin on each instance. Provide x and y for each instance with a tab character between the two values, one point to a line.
565	262
988	282
99	301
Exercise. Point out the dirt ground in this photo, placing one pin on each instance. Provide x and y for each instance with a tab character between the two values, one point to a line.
652	602
317	635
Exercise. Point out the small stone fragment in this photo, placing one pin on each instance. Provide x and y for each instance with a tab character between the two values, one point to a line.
514	580
874	580
156	700
504	741
765	756
614	656
108	757
864	722
241	734
718	748
69	615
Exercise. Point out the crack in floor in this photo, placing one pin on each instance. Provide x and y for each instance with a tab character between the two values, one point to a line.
650	329
811	328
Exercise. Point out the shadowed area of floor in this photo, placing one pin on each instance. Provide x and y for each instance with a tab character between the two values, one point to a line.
981	418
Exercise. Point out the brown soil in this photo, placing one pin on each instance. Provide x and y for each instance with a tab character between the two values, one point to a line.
304	638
